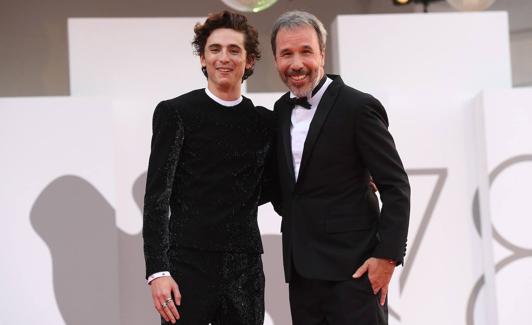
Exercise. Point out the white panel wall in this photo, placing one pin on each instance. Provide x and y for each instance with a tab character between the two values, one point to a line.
435	135
139	57
59	242
508	121
465	51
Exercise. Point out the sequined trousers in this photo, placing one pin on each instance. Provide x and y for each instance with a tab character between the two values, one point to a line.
218	288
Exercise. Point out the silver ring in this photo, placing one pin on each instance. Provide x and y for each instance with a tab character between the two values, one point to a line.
168	299
165	305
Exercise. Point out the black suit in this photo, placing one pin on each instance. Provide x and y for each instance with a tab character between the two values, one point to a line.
331	220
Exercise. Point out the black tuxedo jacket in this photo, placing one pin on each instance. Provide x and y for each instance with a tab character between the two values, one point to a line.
331	218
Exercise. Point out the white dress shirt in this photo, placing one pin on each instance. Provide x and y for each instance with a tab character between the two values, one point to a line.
301	119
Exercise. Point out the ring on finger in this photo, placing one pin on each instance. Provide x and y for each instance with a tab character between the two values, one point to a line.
165	305
168	299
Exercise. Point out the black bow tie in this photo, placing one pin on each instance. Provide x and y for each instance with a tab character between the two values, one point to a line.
301	101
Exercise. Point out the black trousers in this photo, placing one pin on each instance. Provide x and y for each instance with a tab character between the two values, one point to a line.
218	288
350	302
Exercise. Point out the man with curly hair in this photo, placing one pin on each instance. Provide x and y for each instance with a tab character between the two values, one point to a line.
209	149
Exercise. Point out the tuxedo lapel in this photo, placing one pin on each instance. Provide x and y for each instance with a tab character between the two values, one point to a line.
323	109
285	113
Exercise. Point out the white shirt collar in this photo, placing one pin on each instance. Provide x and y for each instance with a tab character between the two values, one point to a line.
227	103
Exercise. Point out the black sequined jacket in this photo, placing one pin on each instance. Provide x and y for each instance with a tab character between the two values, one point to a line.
205	177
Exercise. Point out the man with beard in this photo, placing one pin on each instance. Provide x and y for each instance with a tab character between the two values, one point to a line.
339	248
208	154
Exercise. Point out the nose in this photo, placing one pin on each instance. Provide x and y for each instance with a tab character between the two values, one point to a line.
224	56
297	63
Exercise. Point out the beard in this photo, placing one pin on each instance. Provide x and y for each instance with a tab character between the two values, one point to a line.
303	90
300	91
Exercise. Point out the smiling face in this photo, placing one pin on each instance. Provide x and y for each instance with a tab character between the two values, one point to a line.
225	60
299	59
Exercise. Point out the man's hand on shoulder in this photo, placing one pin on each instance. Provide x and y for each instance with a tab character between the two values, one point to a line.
165	294
380	271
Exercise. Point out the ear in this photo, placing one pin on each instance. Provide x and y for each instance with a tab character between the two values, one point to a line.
202	61
250	62
323	58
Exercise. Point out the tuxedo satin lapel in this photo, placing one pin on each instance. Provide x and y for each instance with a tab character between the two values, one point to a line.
285	119
323	109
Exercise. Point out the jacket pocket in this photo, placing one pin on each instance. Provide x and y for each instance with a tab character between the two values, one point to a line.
346	224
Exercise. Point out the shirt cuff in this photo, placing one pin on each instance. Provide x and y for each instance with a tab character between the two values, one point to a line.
157	275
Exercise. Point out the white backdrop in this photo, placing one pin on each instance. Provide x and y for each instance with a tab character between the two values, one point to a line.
92	154
439	51
57	219
508	121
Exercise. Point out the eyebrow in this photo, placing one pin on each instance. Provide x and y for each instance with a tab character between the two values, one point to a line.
220	45
304	47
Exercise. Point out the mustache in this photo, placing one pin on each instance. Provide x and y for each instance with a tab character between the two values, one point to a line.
297	72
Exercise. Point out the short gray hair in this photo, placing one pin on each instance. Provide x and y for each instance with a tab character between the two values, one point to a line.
296	18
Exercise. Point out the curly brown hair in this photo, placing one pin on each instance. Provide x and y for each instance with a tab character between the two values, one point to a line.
231	20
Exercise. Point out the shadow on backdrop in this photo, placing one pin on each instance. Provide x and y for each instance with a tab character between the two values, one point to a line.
78	225
90	254
277	305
